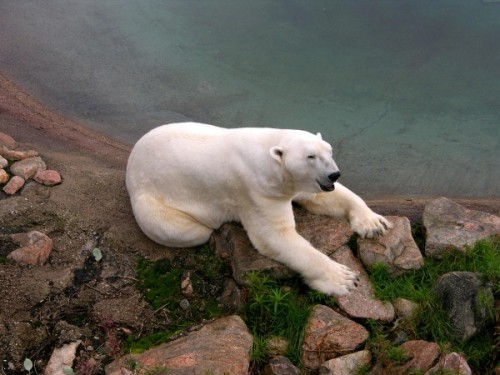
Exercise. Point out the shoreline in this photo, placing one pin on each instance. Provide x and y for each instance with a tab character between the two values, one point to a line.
28	121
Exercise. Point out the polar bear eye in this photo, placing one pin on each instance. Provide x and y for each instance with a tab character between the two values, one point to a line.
311	157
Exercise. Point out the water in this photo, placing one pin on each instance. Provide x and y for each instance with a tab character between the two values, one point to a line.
407	92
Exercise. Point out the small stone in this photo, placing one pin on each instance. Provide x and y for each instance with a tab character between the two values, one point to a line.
452	363
7	153
347	365
61	358
280	366
405	309
4	176
7	140
184	304
47	177
186	284
27	168
422	355
14	185
3	162
35	248
277	346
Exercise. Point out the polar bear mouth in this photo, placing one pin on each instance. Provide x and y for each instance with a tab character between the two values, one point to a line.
329	187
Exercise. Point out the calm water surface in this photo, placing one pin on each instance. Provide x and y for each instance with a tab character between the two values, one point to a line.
407	92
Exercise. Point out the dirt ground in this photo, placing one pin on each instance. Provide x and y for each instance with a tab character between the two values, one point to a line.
73	296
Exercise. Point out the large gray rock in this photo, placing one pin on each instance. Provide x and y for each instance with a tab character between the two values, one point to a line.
361	302
397	248
221	347
451	226
467	300
232	244
329	335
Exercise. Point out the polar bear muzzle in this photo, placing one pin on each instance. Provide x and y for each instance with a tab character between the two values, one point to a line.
329	186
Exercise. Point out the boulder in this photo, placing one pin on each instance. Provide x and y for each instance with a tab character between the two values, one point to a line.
4	176
450	226
9	154
7	140
467	300
396	249
405	309
361	302
422	356
3	162
350	364
220	347
328	335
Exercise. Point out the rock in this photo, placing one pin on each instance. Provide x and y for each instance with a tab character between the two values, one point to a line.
405	309
35	248
47	177
3	162
397	248
7	140
27	168
277	346
231	297
14	185
4	176
186	284
452	363
232	244
450	226
350	364
222	346
62	358
423	355
361	302
66	332
468	302
280	366
9	154
328	335
24	338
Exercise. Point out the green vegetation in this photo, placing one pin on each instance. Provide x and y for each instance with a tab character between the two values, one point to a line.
279	309
161	280
431	322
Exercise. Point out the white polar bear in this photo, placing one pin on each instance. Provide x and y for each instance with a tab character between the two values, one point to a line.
186	179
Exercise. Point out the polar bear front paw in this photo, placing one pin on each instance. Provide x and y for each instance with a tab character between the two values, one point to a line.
368	224
334	280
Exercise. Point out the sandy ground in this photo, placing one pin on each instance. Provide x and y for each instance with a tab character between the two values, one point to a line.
90	206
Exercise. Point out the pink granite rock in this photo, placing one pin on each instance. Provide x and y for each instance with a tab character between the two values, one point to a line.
4	176
396	249
346	365
35	248
27	168
7	140
47	177
329	335
14	185
422	356
361	302
7	153
452	363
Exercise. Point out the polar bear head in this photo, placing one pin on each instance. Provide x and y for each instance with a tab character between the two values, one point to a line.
307	162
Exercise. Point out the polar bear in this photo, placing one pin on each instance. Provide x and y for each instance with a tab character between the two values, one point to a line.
186	179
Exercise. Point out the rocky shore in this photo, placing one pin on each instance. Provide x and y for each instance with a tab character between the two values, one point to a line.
62	308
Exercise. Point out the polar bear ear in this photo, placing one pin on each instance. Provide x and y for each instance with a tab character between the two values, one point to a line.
276	153
319	136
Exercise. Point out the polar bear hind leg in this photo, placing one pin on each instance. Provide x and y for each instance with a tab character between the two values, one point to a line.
167	225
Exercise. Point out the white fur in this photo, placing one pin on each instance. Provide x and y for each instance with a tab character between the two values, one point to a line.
187	179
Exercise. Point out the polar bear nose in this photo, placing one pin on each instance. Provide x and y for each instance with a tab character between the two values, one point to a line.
334	176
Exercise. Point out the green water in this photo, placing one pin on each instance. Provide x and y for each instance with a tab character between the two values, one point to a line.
407	92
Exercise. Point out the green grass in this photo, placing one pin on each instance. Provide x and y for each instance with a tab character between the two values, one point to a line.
160	282
431	321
